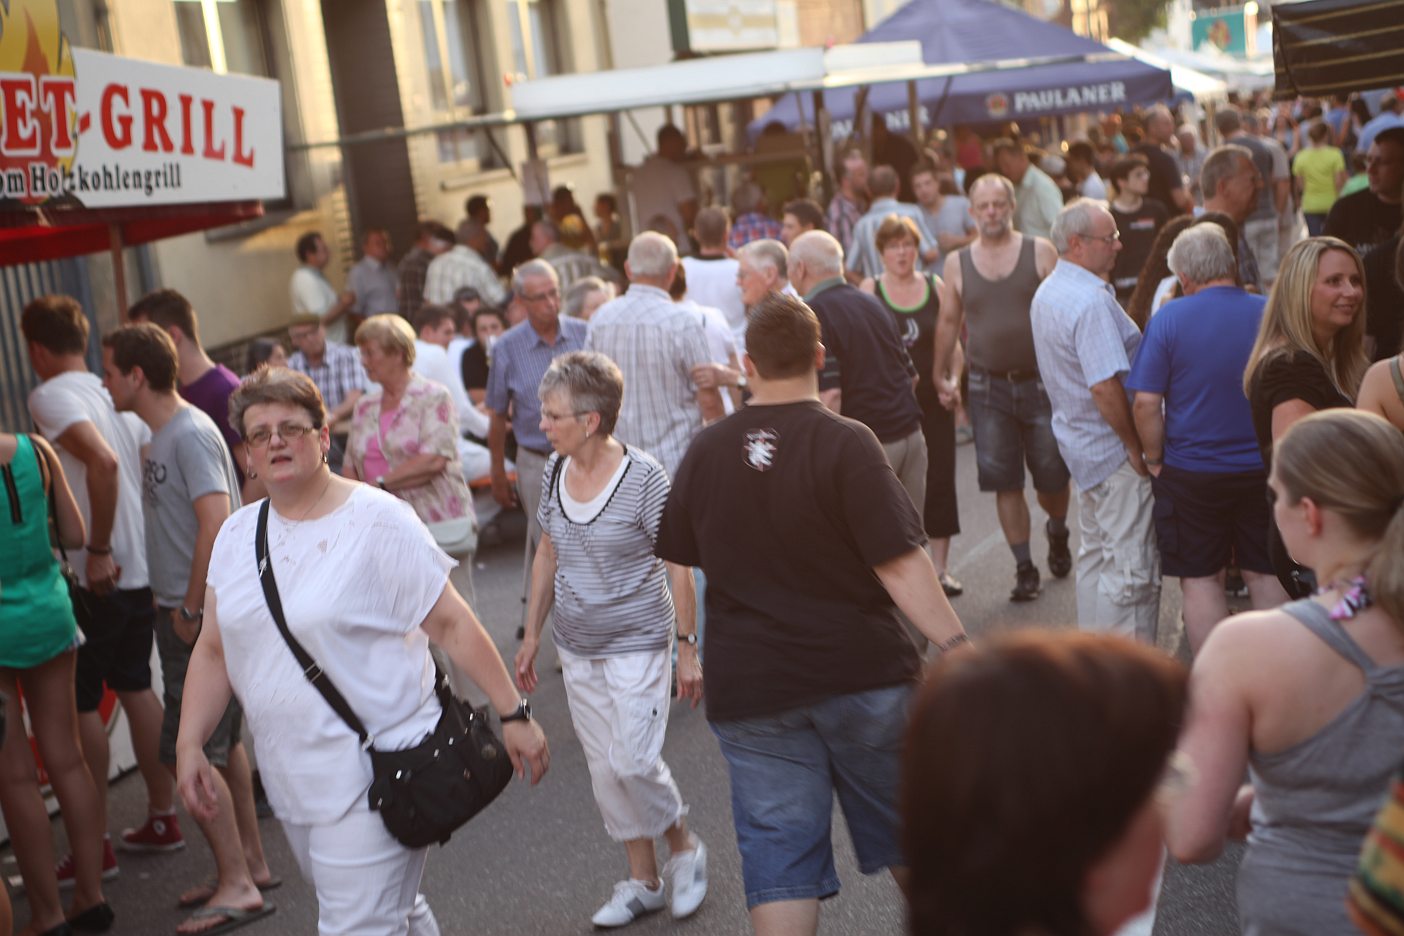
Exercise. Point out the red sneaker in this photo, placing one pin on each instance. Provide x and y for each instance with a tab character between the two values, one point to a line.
159	834
64	869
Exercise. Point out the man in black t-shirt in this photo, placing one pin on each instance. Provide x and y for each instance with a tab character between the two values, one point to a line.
807	540
1366	219
1167	183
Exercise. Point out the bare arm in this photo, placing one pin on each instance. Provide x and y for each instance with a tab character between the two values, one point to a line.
85	443
71	530
1045	257
211	510
417	471
497	455
1285	414
684	591
1110	397
911	581
949	322
1149	414
540	598
207	694
710	403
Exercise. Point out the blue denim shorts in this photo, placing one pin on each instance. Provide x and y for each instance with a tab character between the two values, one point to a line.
785	770
1013	423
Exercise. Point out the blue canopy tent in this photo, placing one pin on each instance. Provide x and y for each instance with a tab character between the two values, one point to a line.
1063	73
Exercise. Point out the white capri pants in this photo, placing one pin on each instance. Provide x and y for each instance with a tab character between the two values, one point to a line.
619	706
367	883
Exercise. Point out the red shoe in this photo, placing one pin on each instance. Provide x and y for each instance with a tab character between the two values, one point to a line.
159	834
64	869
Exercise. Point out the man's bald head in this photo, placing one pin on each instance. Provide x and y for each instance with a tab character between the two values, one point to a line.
815	256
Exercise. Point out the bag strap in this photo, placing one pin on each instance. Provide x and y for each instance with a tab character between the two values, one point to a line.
314	673
47	476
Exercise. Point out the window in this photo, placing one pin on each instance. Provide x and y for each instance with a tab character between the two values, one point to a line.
541	56
223	35
455	65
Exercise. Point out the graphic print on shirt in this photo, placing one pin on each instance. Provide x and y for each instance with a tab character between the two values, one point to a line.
153	476
760	448
911	331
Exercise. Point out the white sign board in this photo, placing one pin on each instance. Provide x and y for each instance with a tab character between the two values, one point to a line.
732	25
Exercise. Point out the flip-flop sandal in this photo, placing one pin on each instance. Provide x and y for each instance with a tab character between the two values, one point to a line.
186	903
234	917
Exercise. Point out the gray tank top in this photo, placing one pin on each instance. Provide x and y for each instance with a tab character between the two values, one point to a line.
997	313
1314	802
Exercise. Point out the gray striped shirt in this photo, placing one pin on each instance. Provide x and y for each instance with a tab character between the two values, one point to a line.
611	591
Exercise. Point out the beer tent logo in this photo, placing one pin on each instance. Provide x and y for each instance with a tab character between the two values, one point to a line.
38	136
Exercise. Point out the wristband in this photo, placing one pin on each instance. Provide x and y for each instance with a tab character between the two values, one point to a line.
99	550
1154	462
946	646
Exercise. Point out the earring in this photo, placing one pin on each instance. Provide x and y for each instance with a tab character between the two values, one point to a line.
251	473
325	460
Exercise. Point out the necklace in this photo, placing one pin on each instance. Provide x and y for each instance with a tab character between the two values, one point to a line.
1355	597
298	522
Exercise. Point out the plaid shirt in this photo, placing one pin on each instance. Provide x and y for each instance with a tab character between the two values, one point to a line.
413	268
843	217
752	227
339	374
461	266
519	361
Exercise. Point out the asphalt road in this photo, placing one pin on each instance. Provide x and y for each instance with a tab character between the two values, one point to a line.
538	861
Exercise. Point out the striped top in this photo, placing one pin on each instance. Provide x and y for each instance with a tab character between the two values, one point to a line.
611	591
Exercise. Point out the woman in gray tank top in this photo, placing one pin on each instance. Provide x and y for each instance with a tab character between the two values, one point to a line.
1310	697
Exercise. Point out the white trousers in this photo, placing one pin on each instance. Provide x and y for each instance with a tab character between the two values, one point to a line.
1118	561
367	883
619	706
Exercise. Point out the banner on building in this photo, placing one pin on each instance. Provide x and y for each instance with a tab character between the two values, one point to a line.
1230	30
80	128
724	25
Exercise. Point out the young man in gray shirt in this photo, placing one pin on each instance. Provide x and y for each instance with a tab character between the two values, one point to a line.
189	488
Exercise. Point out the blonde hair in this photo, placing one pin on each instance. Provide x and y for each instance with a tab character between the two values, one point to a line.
1352	462
1286	325
390	332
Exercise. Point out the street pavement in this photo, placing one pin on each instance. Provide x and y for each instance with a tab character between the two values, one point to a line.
538	861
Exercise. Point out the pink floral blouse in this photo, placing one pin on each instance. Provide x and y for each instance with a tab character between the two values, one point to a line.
424	422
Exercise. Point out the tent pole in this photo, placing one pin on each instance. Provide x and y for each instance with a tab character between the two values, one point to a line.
826	150
119	269
914	117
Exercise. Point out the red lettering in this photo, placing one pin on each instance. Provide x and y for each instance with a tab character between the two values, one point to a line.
116	128
210	151
21	130
241	156
153	106
187	143
56	95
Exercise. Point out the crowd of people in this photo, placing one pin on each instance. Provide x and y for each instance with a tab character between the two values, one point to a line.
733	436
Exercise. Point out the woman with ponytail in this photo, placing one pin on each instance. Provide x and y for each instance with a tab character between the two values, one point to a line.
1310	697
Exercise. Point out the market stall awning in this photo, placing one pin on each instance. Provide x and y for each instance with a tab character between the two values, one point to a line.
1326	47
968	35
30	236
1188	82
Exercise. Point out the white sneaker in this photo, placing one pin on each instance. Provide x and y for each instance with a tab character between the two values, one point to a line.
686	874
631	900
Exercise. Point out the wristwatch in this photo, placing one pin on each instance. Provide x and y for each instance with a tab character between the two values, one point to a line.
741	382
522	713
380	481
688	638
190	617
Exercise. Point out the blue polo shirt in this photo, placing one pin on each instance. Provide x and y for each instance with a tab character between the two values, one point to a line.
520	359
1194	352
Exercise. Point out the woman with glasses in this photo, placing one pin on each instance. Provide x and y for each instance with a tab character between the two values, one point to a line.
364	589
1320	760
614	621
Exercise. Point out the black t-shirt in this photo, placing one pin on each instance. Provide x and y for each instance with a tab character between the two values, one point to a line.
1283	377
1384	300
1165	175
1138	230
866	360
787	508
475	367
918	330
1362	220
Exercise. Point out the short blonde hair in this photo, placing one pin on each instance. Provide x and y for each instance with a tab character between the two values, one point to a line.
390	332
269	385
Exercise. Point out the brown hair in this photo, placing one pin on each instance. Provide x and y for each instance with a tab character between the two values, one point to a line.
1025	760
896	227
145	345
710	227
55	323
781	334
430	315
169	309
1123	167
269	385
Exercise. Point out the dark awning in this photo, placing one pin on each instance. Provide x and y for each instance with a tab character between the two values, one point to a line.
31	234
1324	47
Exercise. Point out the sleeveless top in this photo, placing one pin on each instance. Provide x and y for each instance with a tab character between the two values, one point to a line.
1315	801
36	617
997	313
1398	377
917	326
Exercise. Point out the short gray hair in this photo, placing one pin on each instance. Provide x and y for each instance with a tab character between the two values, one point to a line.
767	253
820	252
1221	164
652	255
579	291
592	382
1076	218
1202	254
532	269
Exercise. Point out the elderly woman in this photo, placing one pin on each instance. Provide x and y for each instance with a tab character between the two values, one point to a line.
586	295
1319	761
601	503
364	589
913	298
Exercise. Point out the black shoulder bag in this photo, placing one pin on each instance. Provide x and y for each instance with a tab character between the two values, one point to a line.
423	793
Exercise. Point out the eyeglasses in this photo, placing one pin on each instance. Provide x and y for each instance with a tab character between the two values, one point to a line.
288	432
548	294
1111	238
559	417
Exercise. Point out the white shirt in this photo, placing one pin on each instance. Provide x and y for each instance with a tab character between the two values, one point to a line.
658	185
1093	187
433	363
355	587
313	295
712	282
62	402
721	341
459	267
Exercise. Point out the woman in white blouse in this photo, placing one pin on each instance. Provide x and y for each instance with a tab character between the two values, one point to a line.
601	503
364	588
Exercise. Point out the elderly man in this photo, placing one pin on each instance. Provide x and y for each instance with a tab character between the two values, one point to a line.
751	222
431	239
988	290
762	269
1038	198
1231	182
336	370
312	294
863	258
1259	226
463	265
1167	183
1085	343
656	345
373	279
1196	431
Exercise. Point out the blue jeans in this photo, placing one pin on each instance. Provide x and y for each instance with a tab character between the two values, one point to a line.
1013	423
785	770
